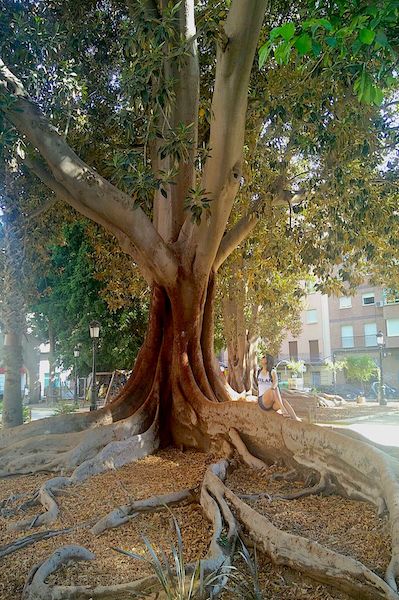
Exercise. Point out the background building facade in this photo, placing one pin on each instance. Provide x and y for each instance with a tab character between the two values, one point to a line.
334	328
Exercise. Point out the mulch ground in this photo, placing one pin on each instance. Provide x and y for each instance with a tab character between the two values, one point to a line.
346	526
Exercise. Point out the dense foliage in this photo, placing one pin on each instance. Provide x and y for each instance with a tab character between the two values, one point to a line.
71	294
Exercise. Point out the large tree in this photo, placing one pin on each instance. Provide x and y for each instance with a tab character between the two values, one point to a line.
12	306
169	209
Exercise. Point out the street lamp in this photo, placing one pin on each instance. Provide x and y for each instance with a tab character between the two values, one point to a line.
380	344
76	354
94	334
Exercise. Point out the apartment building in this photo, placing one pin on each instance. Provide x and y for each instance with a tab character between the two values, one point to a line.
336	327
355	322
313	345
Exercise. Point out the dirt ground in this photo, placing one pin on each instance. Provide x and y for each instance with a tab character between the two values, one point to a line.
346	526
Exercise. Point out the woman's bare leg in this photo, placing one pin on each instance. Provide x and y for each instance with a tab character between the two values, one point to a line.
284	406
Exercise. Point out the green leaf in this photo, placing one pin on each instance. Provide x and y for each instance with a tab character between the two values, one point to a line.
264	52
282	53
286	31
316	47
381	39
303	44
366	36
314	24
332	42
378	95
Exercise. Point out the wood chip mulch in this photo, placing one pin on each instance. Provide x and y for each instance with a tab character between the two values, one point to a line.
346	526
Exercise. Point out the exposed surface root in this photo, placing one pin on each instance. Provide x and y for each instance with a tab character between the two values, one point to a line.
291	475
225	510
124	513
89	449
32	539
113	455
309	557
247	457
218	558
45	497
318	488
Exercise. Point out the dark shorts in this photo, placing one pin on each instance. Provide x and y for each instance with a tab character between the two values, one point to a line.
262	406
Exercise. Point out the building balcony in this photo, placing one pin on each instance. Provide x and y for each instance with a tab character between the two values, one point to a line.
358	342
308	359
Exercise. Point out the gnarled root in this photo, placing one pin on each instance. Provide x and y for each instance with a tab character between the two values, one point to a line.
307	556
60	452
28	540
322	487
113	455
248	458
45	497
218	558
310	557
123	514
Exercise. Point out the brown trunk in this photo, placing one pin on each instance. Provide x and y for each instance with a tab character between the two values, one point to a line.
236	334
12	401
177	357
250	360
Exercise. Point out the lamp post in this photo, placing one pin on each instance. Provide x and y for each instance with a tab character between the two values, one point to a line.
380	344
76	354
94	334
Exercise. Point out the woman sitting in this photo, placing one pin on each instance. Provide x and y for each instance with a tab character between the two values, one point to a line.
269	396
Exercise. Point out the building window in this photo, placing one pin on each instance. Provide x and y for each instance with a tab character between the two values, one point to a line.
370	334
311	316
347	340
293	350
314	350
392	327
368	299
345	302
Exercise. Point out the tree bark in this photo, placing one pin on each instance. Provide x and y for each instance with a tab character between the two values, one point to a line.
12	399
52	393
12	311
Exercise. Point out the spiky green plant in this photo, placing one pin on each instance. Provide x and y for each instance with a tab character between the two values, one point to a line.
178	580
245	584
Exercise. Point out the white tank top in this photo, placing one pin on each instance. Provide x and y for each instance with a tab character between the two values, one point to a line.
264	383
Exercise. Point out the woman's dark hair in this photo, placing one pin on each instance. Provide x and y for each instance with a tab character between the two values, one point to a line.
269	362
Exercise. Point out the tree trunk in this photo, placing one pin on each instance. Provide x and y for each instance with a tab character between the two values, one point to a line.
236	334
12	313
51	390
250	360
12	400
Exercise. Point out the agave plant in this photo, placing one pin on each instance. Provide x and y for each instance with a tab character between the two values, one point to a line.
178	580
245	584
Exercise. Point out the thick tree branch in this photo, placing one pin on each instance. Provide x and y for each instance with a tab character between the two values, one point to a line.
89	190
62	194
233	238
240	231
222	172
169	214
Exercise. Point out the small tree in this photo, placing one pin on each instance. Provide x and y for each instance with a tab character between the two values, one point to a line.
297	367
360	369
335	366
